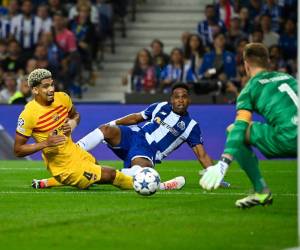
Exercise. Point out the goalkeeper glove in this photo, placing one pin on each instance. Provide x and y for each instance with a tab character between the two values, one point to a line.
214	175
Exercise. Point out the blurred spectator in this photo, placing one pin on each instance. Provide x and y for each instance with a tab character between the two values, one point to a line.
270	37
46	20
245	23
23	92
184	38
3	50
219	65
160	59
55	6
241	76
14	61
143	75
175	71
272	9
256	36
10	87
31	65
277	63
288	40
234	34
289	8
5	20
26	28
54	53
193	55
41	57
225	12
84	31
93	13
70	63
210	26
254	7
105	22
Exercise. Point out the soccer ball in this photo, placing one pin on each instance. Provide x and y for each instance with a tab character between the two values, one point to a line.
146	181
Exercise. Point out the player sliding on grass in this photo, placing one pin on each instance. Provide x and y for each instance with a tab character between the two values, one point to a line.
168	126
274	96
49	119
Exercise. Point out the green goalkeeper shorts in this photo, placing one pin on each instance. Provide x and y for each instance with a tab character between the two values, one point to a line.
274	142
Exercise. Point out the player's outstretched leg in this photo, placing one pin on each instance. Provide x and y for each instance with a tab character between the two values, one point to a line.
257	199
45	183
176	183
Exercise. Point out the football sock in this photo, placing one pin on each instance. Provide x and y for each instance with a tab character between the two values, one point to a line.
131	171
123	181
249	163
51	182
91	140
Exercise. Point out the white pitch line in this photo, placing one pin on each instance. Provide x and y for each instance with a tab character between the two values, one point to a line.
130	192
171	170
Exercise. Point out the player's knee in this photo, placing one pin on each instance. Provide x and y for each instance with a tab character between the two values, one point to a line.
108	131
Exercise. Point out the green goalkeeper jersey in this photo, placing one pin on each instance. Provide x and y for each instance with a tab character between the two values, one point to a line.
274	96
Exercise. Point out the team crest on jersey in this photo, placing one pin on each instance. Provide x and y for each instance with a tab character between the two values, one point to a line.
55	117
181	125
20	125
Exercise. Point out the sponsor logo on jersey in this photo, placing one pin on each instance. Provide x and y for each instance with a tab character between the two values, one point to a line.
170	128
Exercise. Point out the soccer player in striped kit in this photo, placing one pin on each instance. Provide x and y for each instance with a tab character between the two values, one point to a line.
168	125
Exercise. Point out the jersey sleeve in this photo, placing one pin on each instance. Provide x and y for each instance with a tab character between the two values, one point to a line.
195	137
147	113
25	124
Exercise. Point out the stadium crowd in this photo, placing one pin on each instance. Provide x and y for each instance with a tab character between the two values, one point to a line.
62	36
210	60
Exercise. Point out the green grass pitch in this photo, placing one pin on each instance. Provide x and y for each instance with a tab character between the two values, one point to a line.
107	218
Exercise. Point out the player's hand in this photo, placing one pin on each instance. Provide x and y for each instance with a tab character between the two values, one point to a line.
213	176
68	126
55	140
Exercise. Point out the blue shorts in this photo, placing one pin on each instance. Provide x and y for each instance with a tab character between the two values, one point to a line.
132	145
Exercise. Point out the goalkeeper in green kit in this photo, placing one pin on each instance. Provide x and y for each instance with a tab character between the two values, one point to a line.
274	96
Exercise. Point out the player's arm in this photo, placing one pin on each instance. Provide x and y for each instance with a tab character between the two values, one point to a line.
21	148
237	135
236	138
131	119
202	156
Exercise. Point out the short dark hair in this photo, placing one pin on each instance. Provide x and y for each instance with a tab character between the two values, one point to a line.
180	85
257	55
157	41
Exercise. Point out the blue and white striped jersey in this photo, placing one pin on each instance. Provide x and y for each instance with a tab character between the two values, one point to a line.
165	130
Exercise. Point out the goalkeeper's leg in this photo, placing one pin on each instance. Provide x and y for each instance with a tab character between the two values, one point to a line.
249	163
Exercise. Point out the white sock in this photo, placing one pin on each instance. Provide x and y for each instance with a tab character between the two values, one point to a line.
131	171
91	140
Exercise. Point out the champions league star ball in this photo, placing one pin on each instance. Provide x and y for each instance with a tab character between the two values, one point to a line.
146	181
